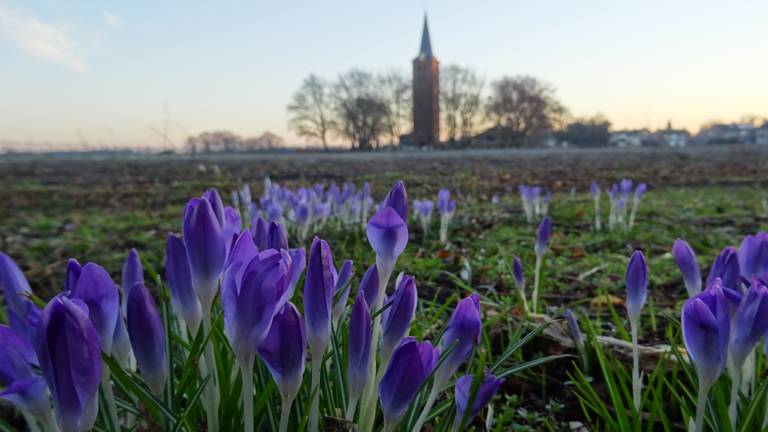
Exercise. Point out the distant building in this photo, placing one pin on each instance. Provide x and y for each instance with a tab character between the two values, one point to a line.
761	134
673	137
731	133
426	95
631	138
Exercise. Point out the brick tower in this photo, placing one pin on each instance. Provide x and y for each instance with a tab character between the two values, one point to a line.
426	94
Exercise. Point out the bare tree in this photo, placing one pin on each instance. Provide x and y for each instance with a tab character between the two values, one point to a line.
524	105
460	90
311	110
360	108
395	90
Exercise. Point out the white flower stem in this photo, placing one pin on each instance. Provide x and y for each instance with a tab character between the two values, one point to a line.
212	390
733	406
701	407
285	413
427	407
31	421
246	369
314	413
352	406
536	282
109	396
525	301
49	422
636	384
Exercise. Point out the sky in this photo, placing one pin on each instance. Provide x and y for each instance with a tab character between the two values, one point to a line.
109	74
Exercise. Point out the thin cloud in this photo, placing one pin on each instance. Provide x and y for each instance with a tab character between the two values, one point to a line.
39	39
112	19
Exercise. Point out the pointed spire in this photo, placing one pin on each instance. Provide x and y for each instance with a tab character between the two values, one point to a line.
426	45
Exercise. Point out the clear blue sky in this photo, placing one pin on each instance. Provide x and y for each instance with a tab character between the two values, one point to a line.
100	72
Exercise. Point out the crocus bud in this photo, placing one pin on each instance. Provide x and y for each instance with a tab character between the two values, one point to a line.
341	290
145	329
463	333
359	346
132	274
726	267
753	255
70	359
369	285
640	191
278	238
750	322
573	328
179	279
594	190
463	391
243	249
73	274
706	327
397	317
217	205
260	233
98	291
637	284
686	261
543	234
206	249
23	387
251	300
284	350
318	295
444	201
388	235
22	313
412	362
625	185
397	198
518	273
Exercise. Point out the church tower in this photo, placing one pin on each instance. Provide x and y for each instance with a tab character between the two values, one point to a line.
426	94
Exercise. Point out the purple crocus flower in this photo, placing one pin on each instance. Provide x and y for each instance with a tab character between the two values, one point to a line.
73	274
463	389
98	291
206	249
369	285
359	346
444	202
726	267
518	273
341	289
463	334
686	261
640	191
753	255
284	350
278	238
250	298
260	233
70	358
388	235
397	317
543	234
706	327
23	387
594	190
22	312
319	283
573	328
423	208
397	199
625	185
750	322
145	329
179	279
637	284
132	274
412	362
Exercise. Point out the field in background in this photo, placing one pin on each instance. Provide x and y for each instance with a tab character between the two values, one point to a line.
98	208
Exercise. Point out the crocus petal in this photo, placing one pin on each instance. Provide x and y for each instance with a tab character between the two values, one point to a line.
217	205
686	261
359	345
179	280
397	199
753	255
637	284
70	359
543	234
726	267
28	394
132	274
145	329
750	322
98	291
284	350
278	238
206	250
488	387
518	273
342	288
706	328
411	364
15	291
463	333
260	235
318	291
397	318
388	235
73	274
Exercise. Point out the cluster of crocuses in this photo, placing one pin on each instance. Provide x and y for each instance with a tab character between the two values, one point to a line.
305	210
625	200
535	202
423	210
723	323
254	273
